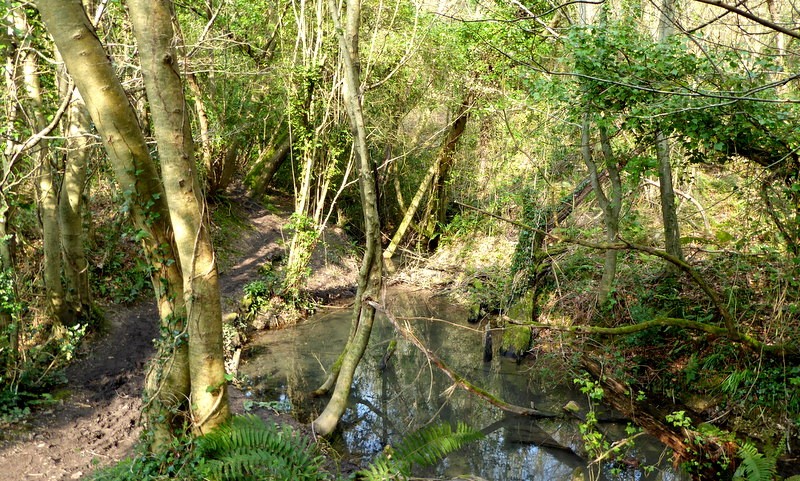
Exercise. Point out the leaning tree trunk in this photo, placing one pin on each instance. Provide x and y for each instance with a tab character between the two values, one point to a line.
116	122
411	211
370	276
152	24
439	198
434	183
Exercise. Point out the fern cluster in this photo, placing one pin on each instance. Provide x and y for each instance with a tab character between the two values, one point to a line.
757	466
424	447
251	449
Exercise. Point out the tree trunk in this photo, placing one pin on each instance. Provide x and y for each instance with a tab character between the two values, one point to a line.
370	276
669	214
439	198
437	176
152	23
610	206
47	192
167	384
6	232
204	127
76	268
264	169
611	216
411	211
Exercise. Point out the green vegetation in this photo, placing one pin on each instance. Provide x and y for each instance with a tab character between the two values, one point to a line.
250	449
616	180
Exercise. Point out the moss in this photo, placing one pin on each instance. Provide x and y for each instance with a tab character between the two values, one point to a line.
521	309
516	340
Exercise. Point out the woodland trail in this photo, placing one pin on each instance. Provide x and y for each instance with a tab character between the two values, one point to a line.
97	423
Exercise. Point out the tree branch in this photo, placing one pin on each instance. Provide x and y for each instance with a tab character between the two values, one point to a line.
459	380
755	18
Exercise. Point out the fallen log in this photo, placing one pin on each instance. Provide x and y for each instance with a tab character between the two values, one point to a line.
708	456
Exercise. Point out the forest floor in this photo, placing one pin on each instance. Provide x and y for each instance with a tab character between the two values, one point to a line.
96	422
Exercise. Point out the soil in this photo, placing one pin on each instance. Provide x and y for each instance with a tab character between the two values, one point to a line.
97	421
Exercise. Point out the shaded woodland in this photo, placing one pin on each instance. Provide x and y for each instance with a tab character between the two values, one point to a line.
614	184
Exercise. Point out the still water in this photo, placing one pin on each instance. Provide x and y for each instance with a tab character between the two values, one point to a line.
410	393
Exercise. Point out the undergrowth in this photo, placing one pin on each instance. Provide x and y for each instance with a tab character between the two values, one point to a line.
251	449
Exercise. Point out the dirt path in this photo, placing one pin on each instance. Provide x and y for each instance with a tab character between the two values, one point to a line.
98	423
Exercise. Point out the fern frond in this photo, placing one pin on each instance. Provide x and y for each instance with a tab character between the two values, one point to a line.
384	468
433	443
250	449
754	465
425	447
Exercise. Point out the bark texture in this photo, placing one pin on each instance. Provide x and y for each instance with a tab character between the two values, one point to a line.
669	213
153	26
116	122
47	191
370	276
610	203
78	297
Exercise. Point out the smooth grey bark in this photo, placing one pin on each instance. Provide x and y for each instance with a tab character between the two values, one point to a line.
370	276
78	297
669	213
609	204
47	189
167	384
153	27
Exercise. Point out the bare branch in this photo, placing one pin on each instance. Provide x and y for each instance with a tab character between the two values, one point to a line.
755	18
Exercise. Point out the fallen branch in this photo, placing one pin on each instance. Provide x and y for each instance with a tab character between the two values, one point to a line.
730	331
688	445
407	333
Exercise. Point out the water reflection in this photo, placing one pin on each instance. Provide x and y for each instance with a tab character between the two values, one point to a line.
411	393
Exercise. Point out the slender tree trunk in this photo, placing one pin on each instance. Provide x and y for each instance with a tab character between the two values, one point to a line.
76	268
265	167
411	211
203	125
370	277
167	384
439	198
669	213
611	216
9	106
153	27
610	206
434	183
47	191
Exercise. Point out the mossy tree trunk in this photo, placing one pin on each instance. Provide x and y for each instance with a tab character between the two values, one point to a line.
167	384
434	184
153	27
439	198
370	276
8	181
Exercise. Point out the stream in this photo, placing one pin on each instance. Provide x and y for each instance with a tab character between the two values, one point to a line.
285	365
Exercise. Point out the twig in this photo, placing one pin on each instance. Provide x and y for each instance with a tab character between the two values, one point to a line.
459	380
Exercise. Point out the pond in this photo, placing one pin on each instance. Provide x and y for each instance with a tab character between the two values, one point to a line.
410	393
